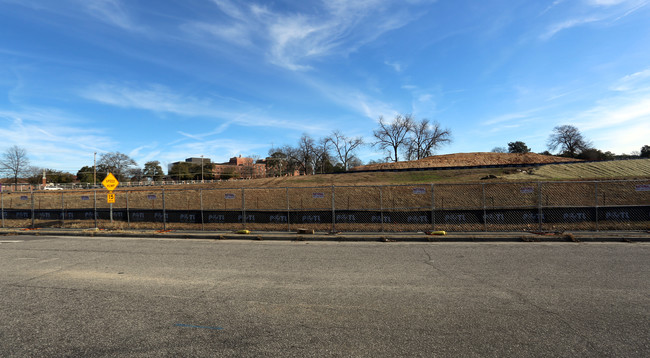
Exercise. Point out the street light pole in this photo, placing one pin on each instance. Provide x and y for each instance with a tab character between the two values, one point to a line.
201	168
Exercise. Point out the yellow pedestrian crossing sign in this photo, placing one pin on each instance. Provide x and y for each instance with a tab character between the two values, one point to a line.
110	182
111	198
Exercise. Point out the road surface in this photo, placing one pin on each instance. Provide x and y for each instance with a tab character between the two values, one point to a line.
126	297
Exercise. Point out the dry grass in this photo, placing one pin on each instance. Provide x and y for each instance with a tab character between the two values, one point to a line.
470	159
621	169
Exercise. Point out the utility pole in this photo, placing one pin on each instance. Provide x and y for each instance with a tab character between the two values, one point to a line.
94	169
201	168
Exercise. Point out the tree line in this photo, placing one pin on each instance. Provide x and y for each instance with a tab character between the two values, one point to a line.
404	137
567	141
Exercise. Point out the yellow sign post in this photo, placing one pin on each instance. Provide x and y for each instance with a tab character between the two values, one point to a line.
110	183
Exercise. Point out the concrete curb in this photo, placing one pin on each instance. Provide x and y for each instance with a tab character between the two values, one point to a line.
571	237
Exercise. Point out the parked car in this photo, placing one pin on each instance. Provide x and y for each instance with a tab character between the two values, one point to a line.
51	187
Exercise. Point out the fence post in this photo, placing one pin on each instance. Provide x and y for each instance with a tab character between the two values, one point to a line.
95	207
288	210
333	211
128	215
539	205
484	212
243	209
62	211
433	207
32	194
164	211
201	200
596	203
381	209
2	205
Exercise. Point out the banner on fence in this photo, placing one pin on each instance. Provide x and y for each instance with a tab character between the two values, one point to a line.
451	217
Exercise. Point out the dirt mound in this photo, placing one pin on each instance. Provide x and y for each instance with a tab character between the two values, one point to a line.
469	159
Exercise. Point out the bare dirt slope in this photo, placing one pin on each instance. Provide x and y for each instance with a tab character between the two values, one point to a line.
469	159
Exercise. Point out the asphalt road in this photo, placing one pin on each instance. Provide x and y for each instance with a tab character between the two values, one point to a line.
93	297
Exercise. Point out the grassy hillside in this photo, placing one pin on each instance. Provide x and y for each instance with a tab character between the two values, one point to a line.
377	178
621	169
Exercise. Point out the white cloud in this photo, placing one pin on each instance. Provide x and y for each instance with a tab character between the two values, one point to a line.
605	2
112	12
553	5
160	99
616	112
607	11
425	97
625	139
395	65
293	40
353	99
634	81
237	34
555	28
620	122
514	116
53	140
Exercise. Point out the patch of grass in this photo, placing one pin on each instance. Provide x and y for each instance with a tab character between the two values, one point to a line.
416	178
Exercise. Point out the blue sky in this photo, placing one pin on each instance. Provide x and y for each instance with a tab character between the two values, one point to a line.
167	80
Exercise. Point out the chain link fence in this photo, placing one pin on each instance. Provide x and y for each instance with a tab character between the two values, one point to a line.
534	206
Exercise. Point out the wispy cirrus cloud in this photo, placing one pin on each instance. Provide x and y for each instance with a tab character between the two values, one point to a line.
116	13
53	139
555	28
395	65
112	12
629	103
605	2
634	81
160	99
592	11
616	112
508	118
617	120
292	40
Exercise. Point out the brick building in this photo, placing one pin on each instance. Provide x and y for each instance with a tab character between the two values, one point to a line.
243	166
193	160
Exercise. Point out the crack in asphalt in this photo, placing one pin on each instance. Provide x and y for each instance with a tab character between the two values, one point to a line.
521	298
524	300
430	262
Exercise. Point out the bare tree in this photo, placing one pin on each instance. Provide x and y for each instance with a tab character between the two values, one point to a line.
392	136
305	153
248	170
425	138
344	146
320	155
15	162
117	163
569	139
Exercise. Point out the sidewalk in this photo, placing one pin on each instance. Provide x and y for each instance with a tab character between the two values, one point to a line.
573	236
